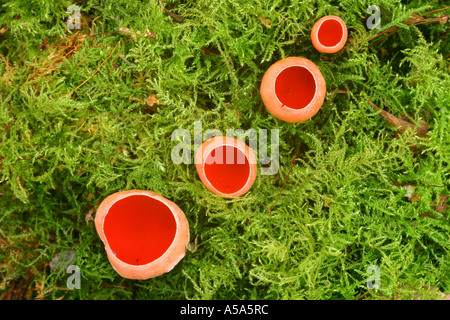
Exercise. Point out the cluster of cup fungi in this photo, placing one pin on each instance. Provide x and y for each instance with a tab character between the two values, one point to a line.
145	235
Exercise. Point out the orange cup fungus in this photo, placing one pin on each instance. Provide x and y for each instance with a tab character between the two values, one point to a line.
226	166
145	235
329	34
293	89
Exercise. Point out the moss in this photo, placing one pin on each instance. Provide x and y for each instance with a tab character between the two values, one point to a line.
343	208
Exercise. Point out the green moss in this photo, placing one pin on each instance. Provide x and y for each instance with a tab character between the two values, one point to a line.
344	206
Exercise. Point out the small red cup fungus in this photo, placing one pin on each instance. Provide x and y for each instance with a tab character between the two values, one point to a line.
145	235
226	166
329	34
293	89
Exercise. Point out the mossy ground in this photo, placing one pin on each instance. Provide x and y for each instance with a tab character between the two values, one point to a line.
344	206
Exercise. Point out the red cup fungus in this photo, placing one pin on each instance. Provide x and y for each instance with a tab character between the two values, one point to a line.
293	89
145	235
226	166
329	34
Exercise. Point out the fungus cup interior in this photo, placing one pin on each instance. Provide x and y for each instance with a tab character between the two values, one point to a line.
139	229
227	169
295	87
330	33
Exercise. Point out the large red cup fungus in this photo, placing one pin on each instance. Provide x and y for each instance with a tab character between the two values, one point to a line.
145	235
293	89
226	166
329	34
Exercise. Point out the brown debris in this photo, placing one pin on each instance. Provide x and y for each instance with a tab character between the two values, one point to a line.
209	51
175	17
121	56
412	196
20	289
402	125
132	34
442	206
9	69
151	100
129	32
88	217
438	293
265	22
150	34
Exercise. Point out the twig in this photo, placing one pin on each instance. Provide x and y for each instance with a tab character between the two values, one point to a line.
45	44
437	10
121	56
412	21
364	294
137	99
115	47
174	16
